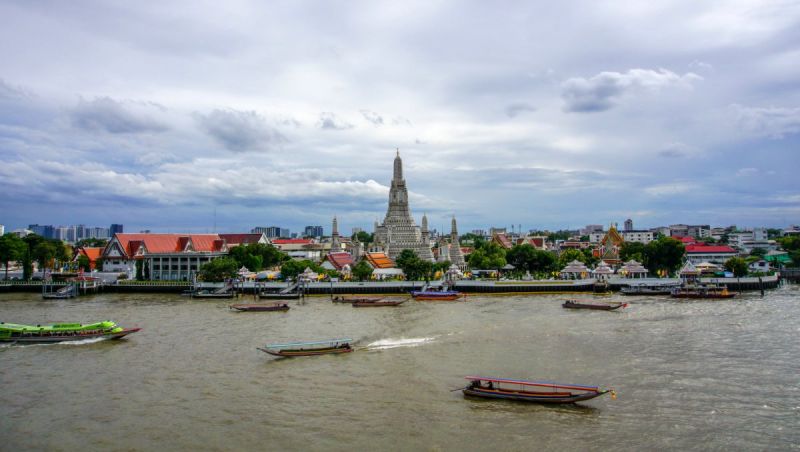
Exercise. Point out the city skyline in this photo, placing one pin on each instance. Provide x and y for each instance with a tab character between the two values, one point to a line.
549	116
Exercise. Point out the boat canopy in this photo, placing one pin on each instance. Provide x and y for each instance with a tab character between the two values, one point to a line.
295	344
546	384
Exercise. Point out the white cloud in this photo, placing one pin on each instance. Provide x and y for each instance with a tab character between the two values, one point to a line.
603	91
772	122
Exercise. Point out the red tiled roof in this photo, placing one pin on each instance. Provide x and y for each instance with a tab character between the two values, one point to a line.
503	241
168	243
709	249
686	240
92	253
339	260
292	241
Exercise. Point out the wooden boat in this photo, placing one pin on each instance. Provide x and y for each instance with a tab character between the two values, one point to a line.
646	290
377	303
333	346
581	304
355	299
437	295
531	391
61	332
702	291
204	293
260	307
68	291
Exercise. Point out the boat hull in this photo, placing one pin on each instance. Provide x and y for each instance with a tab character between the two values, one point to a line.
704	296
599	307
279	296
258	308
213	295
311	352
52	339
532	397
375	304
355	299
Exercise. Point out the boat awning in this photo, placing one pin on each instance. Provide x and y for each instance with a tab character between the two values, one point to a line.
546	384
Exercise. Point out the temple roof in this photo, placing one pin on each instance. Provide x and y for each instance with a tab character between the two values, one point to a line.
340	259
575	266
131	244
379	260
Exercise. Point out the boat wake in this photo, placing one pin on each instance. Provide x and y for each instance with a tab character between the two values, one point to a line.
385	344
93	340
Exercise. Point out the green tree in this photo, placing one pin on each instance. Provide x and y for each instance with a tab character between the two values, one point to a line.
737	266
84	264
44	252
140	269
487	256
469	238
12	249
361	271
27	265
219	269
363	237
758	252
664	255
91	242
414	267
441	266
527	258
570	255
291	268
632	250
560	235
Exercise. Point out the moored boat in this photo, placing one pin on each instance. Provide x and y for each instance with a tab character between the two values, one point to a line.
582	304
377	303
531	391
702	291
279	295
437	295
354	299
260	307
61	332
332	346
646	290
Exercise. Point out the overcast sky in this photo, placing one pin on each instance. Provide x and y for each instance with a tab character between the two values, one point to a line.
546	114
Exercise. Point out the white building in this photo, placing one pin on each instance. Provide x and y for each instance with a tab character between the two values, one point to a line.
640	236
2	229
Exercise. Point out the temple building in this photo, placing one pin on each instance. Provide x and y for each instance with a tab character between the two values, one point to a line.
456	257
398	230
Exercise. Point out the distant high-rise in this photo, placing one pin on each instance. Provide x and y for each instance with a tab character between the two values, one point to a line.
313	231
629	225
115	229
46	231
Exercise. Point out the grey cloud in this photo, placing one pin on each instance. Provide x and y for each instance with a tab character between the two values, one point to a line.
329	121
602	91
676	150
11	92
516	109
401	121
108	115
240	131
372	117
773	122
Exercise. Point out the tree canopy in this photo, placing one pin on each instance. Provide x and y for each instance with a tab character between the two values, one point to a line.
361	271
737	266
414	267
257	256
12	249
664	255
291	268
487	256
218	269
526	258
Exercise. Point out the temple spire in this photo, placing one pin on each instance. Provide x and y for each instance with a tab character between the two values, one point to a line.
335	244
398	168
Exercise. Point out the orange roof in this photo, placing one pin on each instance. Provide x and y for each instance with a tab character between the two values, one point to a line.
92	253
168	243
379	260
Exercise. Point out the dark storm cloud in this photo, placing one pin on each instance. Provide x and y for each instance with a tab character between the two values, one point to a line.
329	121
240	131
108	115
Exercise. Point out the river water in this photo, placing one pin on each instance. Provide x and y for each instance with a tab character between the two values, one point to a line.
692	375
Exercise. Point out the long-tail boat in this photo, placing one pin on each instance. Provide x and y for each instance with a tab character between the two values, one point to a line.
437	295
260	307
531	391
702	291
61	332
354	299
377	303
581	304
309	348
642	289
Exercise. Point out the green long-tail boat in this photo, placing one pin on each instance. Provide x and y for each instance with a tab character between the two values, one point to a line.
61	332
